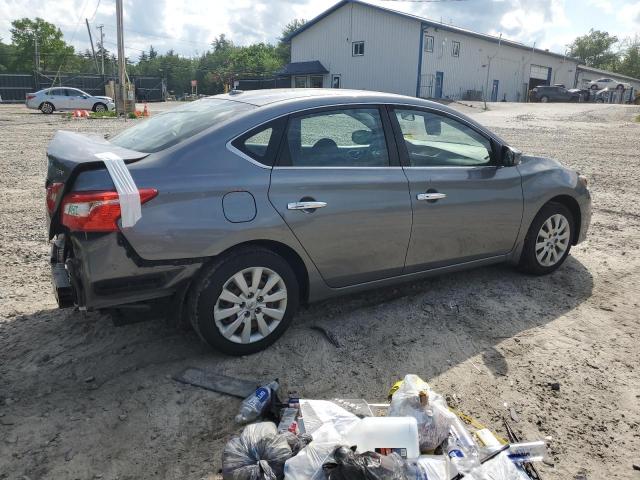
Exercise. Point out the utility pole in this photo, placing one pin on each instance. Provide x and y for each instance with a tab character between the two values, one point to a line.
37	51
93	50
100	27
121	103
486	83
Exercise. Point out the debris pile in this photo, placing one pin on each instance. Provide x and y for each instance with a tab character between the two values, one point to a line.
414	437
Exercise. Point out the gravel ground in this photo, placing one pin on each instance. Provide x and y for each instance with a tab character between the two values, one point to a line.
81	398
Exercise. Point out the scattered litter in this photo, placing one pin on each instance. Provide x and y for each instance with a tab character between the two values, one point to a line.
636	466
554	386
414	437
330	336
257	403
514	415
89	379
236	387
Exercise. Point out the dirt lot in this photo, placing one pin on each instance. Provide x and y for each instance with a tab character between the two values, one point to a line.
81	398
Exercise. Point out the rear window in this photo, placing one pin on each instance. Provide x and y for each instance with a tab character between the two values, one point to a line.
172	127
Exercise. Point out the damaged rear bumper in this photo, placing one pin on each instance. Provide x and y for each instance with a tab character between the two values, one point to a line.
96	271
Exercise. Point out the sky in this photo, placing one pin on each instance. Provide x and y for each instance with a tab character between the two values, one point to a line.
188	27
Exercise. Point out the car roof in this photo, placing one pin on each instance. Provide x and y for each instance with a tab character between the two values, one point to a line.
260	98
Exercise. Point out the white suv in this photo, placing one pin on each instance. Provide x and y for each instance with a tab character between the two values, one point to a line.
608	83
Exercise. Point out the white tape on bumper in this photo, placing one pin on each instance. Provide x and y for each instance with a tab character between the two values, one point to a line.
131	210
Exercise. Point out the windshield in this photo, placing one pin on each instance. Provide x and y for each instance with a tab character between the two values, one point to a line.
168	128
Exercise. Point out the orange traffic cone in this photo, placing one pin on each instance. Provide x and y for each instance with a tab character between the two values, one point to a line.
145	112
76	114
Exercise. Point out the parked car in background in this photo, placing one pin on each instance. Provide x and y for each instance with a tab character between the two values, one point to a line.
255	202
65	98
608	83
546	93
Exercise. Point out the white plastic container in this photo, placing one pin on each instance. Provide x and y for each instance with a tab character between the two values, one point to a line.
386	435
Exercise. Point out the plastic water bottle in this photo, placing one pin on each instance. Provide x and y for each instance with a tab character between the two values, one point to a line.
254	405
527	452
461	448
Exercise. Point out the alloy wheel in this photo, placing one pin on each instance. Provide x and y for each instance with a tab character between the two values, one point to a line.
251	305
553	240
100	108
47	108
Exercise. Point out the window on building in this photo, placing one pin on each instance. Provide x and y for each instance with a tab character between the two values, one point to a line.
335	81
436	140
455	49
336	138
315	81
357	49
300	82
428	43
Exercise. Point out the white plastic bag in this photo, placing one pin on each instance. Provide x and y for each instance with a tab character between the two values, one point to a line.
433	423
316	413
307	464
498	468
130	206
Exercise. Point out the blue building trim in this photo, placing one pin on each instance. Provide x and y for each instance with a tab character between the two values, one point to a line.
423	28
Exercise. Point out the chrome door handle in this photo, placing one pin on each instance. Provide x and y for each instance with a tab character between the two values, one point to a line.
431	196
305	205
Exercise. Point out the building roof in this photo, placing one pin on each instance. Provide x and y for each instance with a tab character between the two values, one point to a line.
302	68
606	73
425	22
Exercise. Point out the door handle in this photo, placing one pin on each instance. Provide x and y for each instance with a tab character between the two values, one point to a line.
305	205
431	196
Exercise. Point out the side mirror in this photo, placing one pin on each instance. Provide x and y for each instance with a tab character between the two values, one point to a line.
510	156
433	125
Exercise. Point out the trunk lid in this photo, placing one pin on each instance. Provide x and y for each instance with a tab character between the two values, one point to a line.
68	154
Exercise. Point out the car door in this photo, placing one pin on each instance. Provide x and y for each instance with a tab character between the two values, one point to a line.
338	185
77	100
465	206
58	97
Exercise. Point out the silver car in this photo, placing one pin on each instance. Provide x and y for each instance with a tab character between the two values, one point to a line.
256	202
65	98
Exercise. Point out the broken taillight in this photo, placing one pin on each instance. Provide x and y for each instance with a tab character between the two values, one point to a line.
96	211
53	191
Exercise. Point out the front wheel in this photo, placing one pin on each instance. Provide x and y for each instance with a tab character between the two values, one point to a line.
548	240
544	99
244	302
99	107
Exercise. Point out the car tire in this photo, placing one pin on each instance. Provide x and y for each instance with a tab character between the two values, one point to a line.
99	107
542	255
47	108
594	87
217	300
620	87
544	99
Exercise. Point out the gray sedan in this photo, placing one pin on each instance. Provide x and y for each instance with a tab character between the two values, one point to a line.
255	202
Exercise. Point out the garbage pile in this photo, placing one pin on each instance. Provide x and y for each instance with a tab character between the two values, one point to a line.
414	437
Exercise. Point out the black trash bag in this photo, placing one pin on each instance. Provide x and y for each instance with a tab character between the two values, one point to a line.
348	465
297	442
258	453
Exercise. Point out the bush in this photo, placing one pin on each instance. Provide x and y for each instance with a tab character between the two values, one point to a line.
106	114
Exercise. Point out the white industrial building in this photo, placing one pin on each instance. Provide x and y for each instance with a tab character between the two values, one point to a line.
358	45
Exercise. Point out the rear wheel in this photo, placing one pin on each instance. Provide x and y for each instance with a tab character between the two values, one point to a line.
47	108
594	87
620	87
244	302
548	240
99	107
544	99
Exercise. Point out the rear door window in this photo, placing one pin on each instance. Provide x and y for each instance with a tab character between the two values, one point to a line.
336	138
169	128
261	143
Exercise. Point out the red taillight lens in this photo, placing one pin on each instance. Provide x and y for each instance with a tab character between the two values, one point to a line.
29	97
53	191
96	211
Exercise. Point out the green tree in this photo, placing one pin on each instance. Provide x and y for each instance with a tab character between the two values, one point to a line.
630	62
54	51
595	49
284	45
7	55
